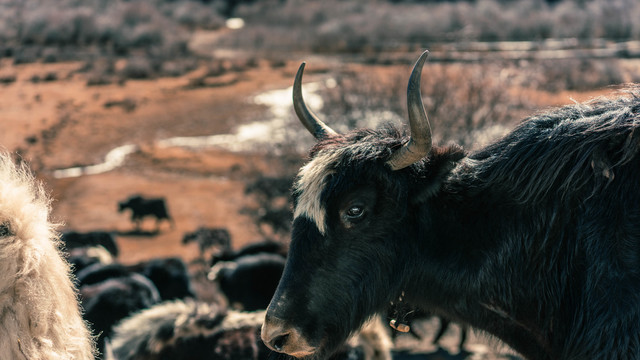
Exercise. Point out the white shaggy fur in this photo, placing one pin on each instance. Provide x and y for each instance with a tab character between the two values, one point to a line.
136	337
311	180
137	332
39	312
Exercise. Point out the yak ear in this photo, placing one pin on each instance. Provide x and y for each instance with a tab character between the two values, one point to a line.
437	168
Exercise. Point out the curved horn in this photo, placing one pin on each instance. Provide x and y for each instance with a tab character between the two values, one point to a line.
419	144
315	126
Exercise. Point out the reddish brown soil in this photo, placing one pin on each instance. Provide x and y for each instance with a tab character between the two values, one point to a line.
65	123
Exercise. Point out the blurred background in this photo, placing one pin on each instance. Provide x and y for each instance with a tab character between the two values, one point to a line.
188	102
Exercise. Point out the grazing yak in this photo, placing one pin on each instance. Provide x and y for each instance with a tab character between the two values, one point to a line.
249	282
96	273
534	239
109	301
39	312
170	275
142	207
81	257
74	239
112	292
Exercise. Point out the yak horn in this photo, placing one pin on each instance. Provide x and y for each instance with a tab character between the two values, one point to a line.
315	126
419	144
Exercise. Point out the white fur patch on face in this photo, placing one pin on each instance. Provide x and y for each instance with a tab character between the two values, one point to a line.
311	181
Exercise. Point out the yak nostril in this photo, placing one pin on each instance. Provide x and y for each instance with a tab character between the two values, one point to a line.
279	342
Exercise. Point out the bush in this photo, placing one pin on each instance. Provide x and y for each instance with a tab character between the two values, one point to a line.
178	67
6	79
138	67
196	15
339	26
26	55
462	101
114	27
50	24
576	74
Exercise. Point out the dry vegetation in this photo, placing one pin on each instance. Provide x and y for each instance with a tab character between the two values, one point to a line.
356	26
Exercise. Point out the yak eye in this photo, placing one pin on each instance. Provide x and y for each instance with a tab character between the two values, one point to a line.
355	212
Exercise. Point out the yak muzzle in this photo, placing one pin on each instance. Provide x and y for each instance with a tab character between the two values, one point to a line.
278	336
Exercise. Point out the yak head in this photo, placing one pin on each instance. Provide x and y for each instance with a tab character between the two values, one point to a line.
352	210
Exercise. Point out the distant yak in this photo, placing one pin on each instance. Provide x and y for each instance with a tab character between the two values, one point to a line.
74	239
146	207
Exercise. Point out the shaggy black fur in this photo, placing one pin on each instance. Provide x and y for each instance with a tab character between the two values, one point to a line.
249	282
75	239
107	302
142	207
170	276
534	239
261	247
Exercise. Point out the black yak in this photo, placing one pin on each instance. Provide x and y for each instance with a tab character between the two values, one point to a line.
249	281
142	207
109	301
74	239
170	275
534	239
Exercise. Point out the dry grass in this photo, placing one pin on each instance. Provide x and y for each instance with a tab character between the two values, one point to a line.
469	104
465	103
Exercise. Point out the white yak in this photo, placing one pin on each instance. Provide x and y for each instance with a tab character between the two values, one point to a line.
40	316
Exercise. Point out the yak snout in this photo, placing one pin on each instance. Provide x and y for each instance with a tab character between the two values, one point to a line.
279	336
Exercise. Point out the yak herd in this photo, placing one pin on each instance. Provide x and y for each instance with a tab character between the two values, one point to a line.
150	310
160	291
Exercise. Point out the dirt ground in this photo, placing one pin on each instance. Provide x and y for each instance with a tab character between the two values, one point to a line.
65	123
